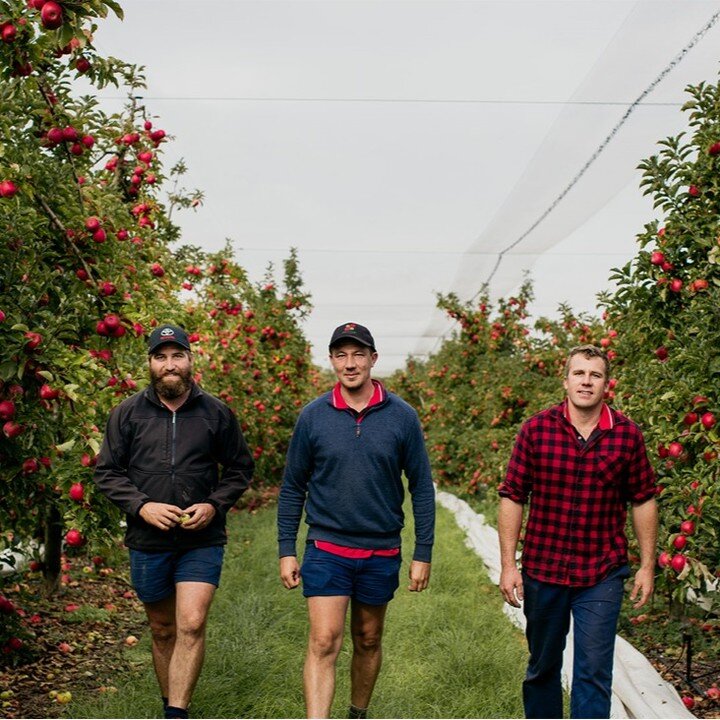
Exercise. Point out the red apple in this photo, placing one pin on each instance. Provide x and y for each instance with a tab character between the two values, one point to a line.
7	410
690	418
657	258
678	563
74	538
33	340
8	33
679	542
7	188
82	65
675	449
51	15
664	559
708	420
88	461
687	527
688	702
30	466
55	135
675	285
714	149
77	492
157	270
48	393
661	353
112	322
11	429
70	134
108	288
92	224
693	191
99	236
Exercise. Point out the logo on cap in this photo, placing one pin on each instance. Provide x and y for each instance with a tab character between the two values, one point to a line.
350	327
167	332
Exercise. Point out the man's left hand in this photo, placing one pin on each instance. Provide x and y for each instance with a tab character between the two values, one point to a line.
197	516
643	586
419	576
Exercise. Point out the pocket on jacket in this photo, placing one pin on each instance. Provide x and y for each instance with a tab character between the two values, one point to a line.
194	487
156	486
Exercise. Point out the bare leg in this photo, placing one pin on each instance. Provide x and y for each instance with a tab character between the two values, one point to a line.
366	626
161	616
327	622
192	605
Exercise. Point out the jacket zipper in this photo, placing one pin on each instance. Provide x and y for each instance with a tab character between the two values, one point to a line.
172	449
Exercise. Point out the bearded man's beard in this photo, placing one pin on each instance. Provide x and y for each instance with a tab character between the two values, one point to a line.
173	385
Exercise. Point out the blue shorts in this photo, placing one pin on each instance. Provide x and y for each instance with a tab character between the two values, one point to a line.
372	581
154	574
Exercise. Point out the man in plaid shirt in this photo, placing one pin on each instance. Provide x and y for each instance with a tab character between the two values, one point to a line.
579	463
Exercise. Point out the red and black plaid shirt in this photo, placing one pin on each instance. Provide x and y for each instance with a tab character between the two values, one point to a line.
578	493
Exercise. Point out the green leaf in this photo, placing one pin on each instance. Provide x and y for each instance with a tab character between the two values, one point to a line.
70	391
46	374
66	446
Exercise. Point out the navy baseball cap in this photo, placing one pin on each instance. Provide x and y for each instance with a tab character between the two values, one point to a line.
355	332
167	334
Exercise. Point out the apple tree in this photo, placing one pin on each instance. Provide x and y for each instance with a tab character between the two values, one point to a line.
85	266
667	311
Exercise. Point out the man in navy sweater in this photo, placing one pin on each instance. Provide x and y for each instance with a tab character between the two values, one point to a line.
348	452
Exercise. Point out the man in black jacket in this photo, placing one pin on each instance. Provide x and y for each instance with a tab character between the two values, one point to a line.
159	464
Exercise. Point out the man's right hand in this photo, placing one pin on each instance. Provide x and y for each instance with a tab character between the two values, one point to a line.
289	571
161	515
511	586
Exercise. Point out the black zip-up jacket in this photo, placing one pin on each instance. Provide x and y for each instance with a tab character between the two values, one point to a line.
153	454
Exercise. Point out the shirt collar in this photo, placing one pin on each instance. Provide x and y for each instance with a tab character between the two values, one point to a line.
377	397
606	422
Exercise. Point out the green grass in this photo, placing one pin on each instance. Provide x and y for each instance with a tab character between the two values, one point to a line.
448	652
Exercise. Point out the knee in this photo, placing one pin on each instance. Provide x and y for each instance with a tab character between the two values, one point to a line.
367	642
325	644
162	632
192	625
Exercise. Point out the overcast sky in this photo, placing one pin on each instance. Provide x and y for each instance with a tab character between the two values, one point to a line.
402	146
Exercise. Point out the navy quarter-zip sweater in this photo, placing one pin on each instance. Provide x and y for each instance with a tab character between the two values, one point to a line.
346	470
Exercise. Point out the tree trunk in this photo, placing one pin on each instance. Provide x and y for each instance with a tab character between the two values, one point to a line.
53	550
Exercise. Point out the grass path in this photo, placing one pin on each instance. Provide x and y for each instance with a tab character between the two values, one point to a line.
448	652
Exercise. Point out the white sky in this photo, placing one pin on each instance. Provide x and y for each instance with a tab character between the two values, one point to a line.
401	145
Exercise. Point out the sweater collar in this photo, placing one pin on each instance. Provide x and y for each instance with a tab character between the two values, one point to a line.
338	401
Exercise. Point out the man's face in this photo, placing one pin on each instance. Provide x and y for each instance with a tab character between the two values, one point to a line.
170	371
352	364
586	383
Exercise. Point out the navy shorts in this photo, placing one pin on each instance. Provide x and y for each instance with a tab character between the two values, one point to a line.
372	581
154	574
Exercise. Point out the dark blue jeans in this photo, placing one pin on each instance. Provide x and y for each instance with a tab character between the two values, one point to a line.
595	612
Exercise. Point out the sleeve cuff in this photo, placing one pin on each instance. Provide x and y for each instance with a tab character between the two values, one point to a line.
286	547
423	553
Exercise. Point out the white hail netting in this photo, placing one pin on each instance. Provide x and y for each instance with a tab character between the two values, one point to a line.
401	146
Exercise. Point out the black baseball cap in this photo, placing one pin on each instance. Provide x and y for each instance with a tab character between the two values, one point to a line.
355	332
167	334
